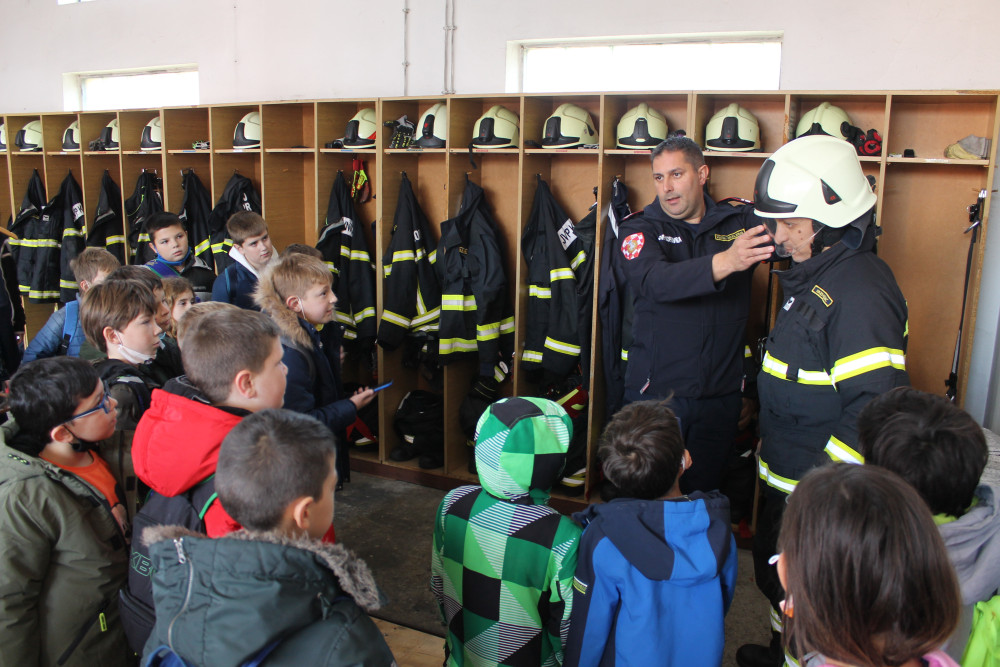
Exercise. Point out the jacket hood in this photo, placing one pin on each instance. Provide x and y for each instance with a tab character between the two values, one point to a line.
639	530
521	446
241	259
274	306
176	443
973	542
251	588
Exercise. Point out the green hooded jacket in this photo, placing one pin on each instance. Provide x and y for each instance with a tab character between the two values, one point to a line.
502	564
219	601
62	562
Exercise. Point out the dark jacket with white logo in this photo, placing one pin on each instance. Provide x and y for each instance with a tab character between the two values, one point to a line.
839	341
688	330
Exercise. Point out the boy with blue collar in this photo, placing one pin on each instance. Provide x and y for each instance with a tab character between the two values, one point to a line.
169	240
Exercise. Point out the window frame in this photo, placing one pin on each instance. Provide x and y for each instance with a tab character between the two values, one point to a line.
73	83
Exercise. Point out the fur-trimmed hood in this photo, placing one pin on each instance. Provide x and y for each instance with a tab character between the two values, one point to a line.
219	601
273	305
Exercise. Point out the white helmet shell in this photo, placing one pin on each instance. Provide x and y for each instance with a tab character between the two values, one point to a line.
152	135
3	136
29	138
732	129
568	127
641	127
433	127
824	119
247	133
109	136
361	129
497	128
71	137
816	177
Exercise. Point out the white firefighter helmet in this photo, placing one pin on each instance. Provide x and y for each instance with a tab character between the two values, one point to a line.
497	128
361	129
641	127
732	129
109	135
433	127
29	138
71	137
247	133
824	119
568	127
152	135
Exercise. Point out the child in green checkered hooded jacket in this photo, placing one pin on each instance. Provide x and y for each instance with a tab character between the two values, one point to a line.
503	561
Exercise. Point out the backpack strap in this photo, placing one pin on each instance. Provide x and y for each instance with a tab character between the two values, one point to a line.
202	495
69	325
162	269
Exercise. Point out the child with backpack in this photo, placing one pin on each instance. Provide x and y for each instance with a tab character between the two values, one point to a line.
296	292
62	332
118	319
273	590
941	451
233	357
64	553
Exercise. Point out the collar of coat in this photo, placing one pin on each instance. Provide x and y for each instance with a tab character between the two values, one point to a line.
288	322
351	572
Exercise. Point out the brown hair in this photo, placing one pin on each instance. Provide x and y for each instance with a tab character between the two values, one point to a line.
114	303
162	220
217	347
294	274
244	224
642	449
195	313
301	248
92	261
143	274
173	289
866	571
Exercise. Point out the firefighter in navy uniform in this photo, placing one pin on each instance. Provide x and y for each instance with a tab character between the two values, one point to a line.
689	262
839	339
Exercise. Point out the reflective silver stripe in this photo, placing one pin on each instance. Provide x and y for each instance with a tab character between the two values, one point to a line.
426	317
531	355
488	331
68	284
457	302
580	258
561	274
539	292
507	325
868	360
839	451
398	320
779	369
565	348
776	621
364	314
111	240
448	345
777	481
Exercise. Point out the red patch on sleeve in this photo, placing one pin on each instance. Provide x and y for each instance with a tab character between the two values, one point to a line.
632	245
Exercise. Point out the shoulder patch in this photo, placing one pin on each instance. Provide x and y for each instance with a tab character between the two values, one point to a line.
823	296
632	245
729	237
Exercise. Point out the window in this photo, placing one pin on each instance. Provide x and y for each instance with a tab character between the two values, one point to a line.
742	61
70	2
131	89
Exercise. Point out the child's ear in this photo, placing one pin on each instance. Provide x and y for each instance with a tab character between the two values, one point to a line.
84	285
152	247
686	462
244	383
61	434
301	510
294	304
109	335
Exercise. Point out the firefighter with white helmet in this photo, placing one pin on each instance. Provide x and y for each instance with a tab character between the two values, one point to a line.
839	339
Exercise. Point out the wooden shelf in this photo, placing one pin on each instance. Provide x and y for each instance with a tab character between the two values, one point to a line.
363	151
414	151
936	160
238	151
152	151
748	155
289	150
190	151
592	152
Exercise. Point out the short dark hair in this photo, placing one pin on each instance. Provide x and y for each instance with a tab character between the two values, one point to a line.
221	345
114	303
44	394
269	460
928	441
244	224
143	274
302	249
678	143
92	261
865	568
642	450
162	220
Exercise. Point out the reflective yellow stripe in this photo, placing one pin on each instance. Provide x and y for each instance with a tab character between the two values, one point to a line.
449	345
433	257
387	270
42	294
74	232
778	482
364	314
498	374
350	334
746	352
37	243
341	316
580	258
457	302
837	450
531	355
402	256
564	348
561	274
507	325
488	331
202	247
539	292
68	284
111	240
624	354
779	369
360	256
868	360
333	268
393	318
776	621
429	316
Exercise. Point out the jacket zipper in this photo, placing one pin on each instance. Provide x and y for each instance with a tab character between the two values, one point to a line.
83	633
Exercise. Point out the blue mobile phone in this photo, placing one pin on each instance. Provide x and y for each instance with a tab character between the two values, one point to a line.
381	387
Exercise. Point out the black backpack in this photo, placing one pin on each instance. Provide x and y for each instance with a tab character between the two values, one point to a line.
136	598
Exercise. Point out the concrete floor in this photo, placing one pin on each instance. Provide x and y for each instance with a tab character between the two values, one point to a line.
390	523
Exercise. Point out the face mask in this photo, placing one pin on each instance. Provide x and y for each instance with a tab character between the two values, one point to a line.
132	356
83	445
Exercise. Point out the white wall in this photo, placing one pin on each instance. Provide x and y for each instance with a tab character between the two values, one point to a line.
250	50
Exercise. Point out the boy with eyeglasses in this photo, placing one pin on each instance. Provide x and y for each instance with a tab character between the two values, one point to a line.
62	524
